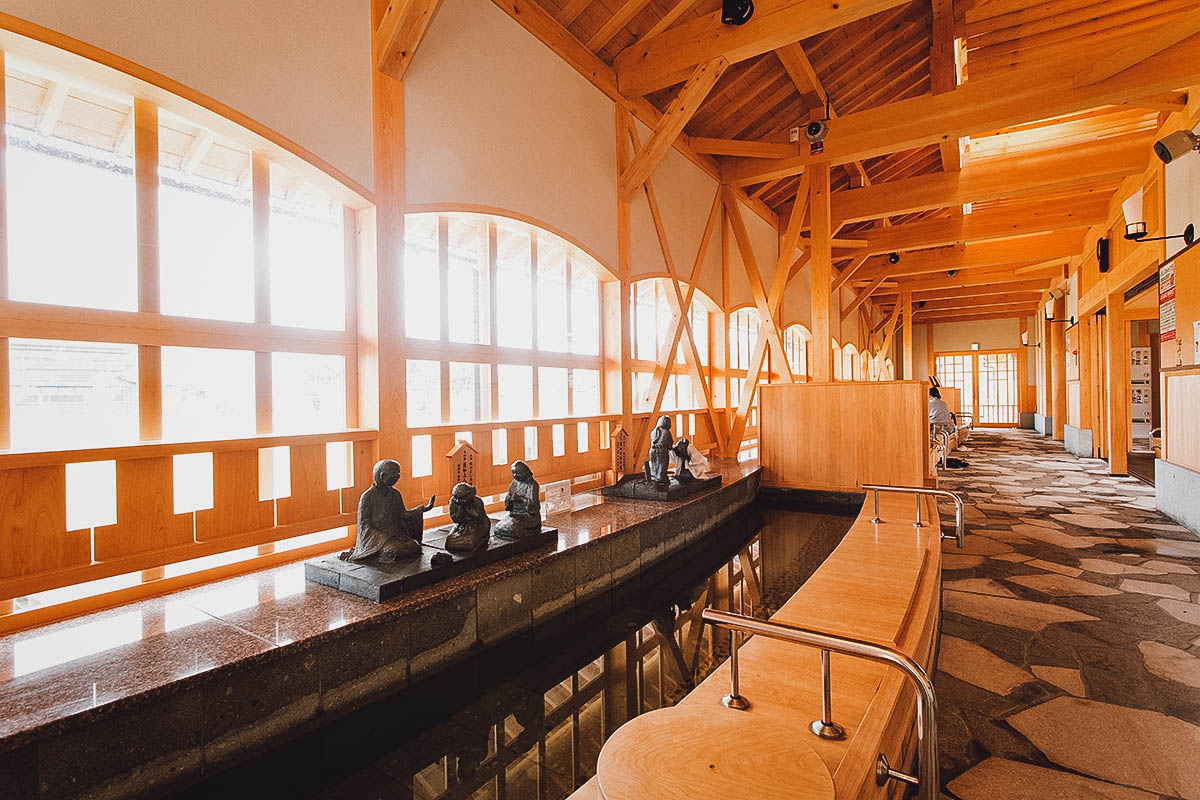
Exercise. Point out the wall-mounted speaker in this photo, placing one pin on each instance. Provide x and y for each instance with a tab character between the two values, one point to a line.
1102	253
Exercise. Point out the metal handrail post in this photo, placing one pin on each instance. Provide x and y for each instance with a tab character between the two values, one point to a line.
959	532
876	519
927	778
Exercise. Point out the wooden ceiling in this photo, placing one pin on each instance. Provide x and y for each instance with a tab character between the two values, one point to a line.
910	50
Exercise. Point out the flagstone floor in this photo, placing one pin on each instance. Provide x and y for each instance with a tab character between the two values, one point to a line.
1070	655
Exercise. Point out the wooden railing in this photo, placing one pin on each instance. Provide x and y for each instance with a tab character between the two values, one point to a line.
38	551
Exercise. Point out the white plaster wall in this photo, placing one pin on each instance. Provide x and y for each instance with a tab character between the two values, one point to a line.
992	334
299	67
1183	193
493	117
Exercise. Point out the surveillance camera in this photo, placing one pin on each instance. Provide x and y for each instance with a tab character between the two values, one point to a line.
816	131
893	258
1177	144
920	304
951	273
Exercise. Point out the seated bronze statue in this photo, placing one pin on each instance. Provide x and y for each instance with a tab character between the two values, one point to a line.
472	527
387	531
522	504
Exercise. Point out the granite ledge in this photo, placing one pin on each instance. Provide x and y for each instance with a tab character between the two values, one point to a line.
242	636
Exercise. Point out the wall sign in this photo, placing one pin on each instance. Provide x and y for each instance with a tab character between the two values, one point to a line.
1166	301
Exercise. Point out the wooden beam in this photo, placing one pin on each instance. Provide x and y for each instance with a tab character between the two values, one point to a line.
1168	102
1011	309
943	72
985	225
886	299
51	110
906	349
399	33
849	270
754	278
1021	95
887	339
628	10
1021	251
821	257
742	148
981	317
1108	160
665	59
1134	53
979	277
974	302
667	20
861	298
681	109
800	70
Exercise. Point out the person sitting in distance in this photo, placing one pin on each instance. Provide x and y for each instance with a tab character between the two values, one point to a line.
940	416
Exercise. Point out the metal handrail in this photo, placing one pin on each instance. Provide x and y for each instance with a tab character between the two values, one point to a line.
927	779
959	531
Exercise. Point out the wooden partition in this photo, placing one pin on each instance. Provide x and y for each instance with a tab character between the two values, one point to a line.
137	528
1181	422
952	398
838	436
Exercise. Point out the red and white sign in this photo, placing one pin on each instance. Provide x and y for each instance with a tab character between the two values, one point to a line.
1166	301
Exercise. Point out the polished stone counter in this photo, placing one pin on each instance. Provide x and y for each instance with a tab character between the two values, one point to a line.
153	694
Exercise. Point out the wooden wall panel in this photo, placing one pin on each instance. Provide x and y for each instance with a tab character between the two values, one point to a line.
309	499
839	436
236	507
33	523
146	518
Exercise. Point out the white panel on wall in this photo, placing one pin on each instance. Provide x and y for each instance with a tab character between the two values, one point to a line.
300	68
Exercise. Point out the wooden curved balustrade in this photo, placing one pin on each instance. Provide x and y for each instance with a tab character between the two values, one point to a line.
881	584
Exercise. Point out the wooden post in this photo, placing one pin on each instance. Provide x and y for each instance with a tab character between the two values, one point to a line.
1117	360
930	356
905	302
1083	346
145	146
822	271
624	266
1058	369
5	409
381	285
1044	399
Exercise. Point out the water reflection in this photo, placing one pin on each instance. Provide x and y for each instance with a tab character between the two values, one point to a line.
526	720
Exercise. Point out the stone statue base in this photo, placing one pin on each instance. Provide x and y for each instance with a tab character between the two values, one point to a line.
384	581
636	487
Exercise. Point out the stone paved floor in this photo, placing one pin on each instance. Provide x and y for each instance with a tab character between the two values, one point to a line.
1070	657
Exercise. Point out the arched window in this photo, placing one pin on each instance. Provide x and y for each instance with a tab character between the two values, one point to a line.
850	362
837	361
795	342
510	286
889	370
650	322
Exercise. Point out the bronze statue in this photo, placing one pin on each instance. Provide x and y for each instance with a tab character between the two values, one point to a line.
522	504
660	454
472	527
387	531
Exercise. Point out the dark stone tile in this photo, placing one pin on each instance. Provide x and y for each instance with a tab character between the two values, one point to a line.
593	568
364	663
505	607
248	709
19	773
445	632
554	586
141	751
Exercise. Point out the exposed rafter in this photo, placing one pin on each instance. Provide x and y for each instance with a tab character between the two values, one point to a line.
400	32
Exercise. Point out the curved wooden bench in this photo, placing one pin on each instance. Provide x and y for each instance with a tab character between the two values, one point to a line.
881	584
